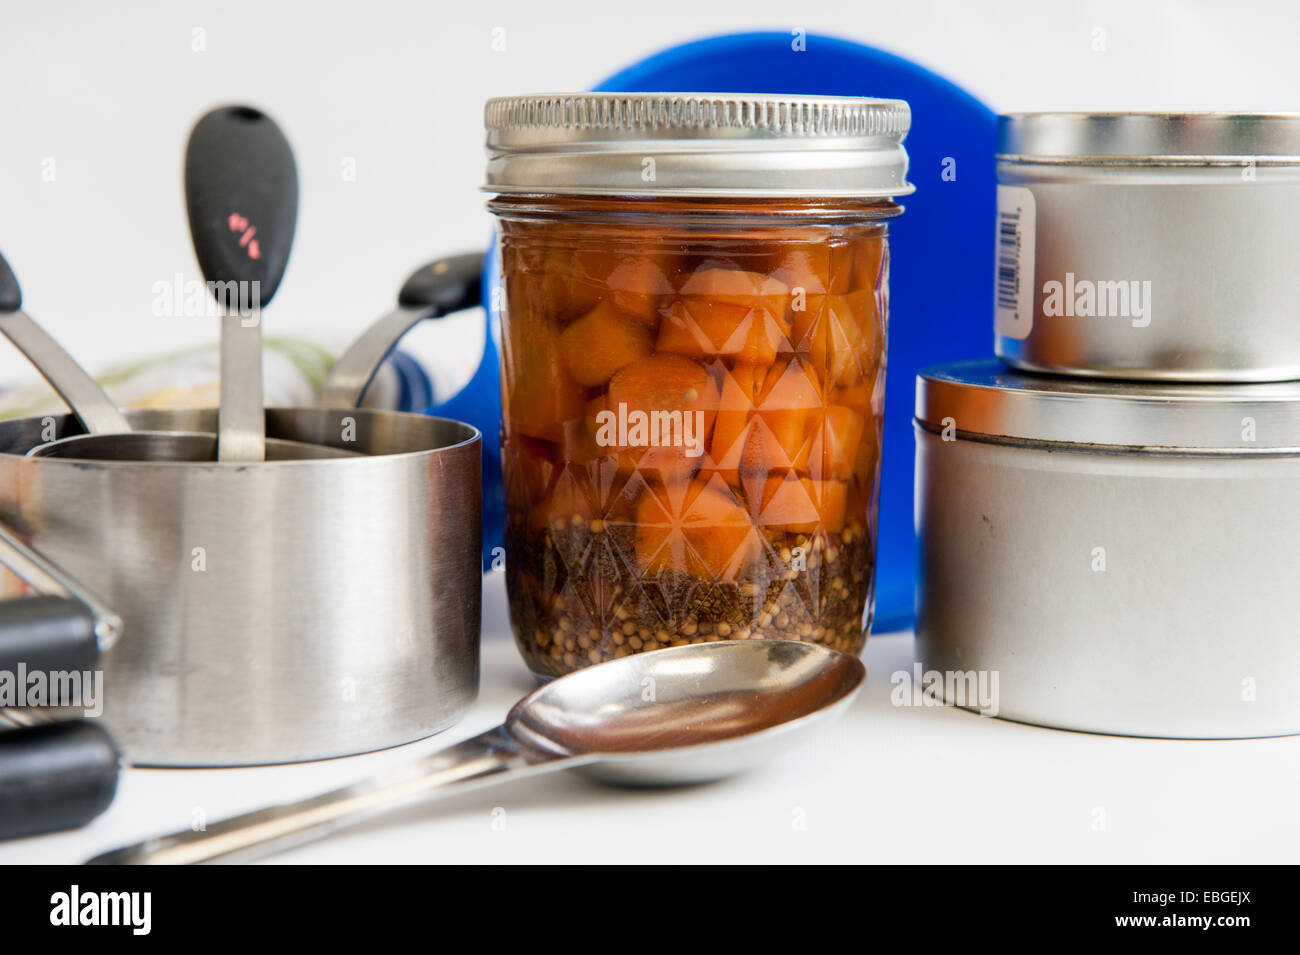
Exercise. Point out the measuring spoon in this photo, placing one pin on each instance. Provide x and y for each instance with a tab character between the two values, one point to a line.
241	192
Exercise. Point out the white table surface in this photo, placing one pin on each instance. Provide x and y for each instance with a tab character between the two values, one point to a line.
885	784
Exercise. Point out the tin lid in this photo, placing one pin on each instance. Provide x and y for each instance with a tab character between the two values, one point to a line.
697	145
985	398
1150	138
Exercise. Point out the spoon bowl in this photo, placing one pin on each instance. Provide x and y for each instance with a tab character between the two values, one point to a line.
688	714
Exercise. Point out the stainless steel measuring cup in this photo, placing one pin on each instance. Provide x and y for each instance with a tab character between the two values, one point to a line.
275	610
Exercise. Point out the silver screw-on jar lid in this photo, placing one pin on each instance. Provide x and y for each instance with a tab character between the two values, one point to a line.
697	145
1150	138
984	399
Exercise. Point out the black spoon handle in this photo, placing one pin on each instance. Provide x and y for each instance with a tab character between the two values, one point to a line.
11	295
241	192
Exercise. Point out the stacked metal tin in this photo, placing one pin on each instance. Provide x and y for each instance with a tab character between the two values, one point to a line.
1109	515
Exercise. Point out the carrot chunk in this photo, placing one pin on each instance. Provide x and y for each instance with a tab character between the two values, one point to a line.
858	398
601	342
828	332
832	501
835	433
570	495
660	410
787	504
579	442
865	308
705	531
737	287
660	383
530	467
705	329
818	268
540	394
869	262
789	393
642	284
735	390
798	505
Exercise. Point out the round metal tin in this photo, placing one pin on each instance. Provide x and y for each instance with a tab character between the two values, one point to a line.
1149	246
985	399
1100	566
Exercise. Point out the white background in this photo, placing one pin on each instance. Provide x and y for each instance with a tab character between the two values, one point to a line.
398	88
110	95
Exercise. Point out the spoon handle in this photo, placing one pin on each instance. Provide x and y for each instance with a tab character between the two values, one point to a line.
93	408
241	418
439	288
488	758
241	193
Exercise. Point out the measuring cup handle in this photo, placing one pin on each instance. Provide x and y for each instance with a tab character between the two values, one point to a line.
11	293
440	288
47	577
490	757
56	776
47	633
78	390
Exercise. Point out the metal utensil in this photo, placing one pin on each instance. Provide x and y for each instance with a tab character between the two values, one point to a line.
239	160
434	289
280	610
437	288
682	715
109	436
56	771
93	408
241	192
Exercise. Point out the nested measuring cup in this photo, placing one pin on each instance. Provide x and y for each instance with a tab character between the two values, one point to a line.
693	357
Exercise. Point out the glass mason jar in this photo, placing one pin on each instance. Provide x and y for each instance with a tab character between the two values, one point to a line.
693	359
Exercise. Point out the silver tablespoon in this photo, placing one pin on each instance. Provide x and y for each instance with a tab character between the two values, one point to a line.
670	717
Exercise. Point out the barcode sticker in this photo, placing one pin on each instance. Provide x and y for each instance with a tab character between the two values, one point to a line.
1014	308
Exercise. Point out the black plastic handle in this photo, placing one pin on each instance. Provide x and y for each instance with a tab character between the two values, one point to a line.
241	191
448	285
47	633
11	296
55	776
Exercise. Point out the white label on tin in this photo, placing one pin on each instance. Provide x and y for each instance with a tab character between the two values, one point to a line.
1013	314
